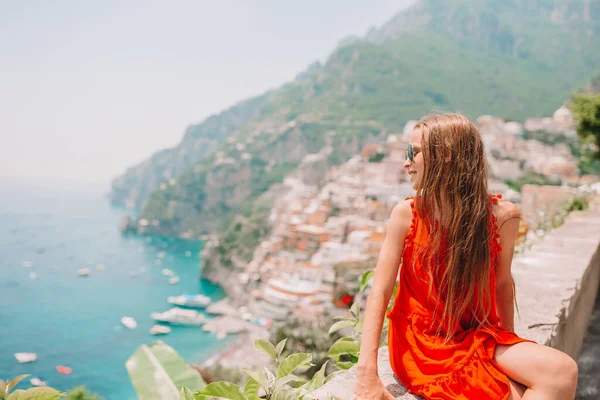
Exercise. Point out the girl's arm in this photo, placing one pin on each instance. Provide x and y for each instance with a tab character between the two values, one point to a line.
386	271
508	223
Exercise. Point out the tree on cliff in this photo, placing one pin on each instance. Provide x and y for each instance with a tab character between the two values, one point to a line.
586	110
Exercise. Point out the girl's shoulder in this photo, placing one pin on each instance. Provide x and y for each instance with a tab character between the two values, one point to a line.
503	210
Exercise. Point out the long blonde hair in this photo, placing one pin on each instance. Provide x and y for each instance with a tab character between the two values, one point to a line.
453	201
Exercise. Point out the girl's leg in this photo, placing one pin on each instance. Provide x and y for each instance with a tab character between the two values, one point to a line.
547	372
516	390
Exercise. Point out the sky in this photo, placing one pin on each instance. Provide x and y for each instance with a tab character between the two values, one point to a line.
88	89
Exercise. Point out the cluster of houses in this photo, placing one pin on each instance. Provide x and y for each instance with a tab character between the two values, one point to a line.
332	215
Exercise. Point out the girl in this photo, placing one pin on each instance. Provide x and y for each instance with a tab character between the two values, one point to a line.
451	326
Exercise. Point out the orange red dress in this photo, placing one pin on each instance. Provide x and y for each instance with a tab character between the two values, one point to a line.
462	368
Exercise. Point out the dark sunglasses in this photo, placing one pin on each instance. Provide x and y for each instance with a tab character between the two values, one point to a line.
412	152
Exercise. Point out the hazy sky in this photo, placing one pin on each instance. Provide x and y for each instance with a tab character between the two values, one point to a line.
90	88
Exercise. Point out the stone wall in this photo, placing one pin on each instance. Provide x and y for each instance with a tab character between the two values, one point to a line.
557	282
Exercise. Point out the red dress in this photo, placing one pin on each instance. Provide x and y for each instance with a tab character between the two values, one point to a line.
462	368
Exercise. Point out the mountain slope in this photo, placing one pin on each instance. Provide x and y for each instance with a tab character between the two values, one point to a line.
511	59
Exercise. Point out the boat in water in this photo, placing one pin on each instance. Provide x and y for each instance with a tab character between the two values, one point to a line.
160	330
129	322
174	280
190	300
38	382
84	272
167	272
61	369
25	357
180	316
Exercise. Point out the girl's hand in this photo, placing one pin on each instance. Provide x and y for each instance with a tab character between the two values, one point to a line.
371	388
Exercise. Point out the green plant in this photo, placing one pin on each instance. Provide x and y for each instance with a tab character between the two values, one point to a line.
278	384
36	393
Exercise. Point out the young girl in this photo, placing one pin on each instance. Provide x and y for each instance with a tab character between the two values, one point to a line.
451	326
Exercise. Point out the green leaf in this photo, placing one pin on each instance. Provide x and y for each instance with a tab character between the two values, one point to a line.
365	278
280	346
285	380
343	346
16	395
270	376
221	390
284	393
157	371
353	357
266	347
186	394
292	362
340	325
344	365
344	317
261	379
359	325
251	388
2	389
333	375
11	384
37	393
355	309
317	379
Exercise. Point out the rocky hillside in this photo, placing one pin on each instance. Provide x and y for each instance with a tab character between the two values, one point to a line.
137	183
479	57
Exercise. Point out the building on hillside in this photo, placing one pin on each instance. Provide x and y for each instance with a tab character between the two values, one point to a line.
540	203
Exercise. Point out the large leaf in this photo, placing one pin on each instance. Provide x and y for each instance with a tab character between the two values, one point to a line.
186	394
285	380
284	393
343	346
292	362
280	346
266	347
221	390
251	389
340	325
365	279
158	372
317	379
260	378
37	393
11	384
333	375
2	389
344	365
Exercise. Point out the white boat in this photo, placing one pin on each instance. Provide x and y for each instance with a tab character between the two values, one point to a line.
84	272
38	382
189	300
174	280
180	316
160	330
32	275
129	322
167	272
26	357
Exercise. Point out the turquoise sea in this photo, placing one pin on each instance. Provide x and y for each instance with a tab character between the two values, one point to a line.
75	321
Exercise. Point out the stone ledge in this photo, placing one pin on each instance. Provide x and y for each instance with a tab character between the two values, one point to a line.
557	281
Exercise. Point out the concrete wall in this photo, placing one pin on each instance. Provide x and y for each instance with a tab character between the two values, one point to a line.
557	282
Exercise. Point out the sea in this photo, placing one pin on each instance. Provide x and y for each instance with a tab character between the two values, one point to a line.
46	235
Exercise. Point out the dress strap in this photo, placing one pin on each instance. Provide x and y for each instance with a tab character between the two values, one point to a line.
495	236
413	223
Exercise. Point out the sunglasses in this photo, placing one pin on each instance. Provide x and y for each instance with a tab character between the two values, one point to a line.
412	152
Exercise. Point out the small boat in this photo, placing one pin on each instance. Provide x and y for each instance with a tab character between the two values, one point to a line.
100	267
189	300
38	382
32	275
160	330
129	322
64	370
180	316
174	280
84	272
167	272
25	357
